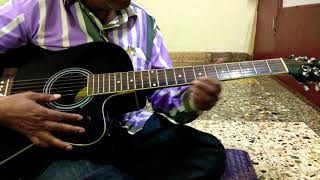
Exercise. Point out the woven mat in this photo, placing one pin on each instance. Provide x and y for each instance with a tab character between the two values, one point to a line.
239	166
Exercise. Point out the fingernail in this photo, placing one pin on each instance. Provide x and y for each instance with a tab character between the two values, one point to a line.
81	130
80	117
69	147
57	96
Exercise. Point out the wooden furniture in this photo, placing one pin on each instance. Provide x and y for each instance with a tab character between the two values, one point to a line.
283	31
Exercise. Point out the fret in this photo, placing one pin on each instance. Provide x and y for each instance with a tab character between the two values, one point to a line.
204	70
211	71
179	75
131	80
262	67
223	72
109	82
128	80
138	80
162	77
240	69
268	66
174	74
95	84
184	74
100	84
247	69
118	81
149	78
106	81
170	77
254	68
112	82
234	70
90	85
145	79
189	74
215	69
199	71
165	73
157	77
98	81
194	73
103	83
277	66
124	81
153	78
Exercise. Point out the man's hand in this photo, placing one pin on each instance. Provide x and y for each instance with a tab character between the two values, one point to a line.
204	93
22	113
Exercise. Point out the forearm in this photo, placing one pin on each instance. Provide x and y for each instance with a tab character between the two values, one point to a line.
175	103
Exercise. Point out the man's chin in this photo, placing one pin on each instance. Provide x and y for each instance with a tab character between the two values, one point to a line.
125	4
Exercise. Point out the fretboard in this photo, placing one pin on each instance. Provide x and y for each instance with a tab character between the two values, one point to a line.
161	78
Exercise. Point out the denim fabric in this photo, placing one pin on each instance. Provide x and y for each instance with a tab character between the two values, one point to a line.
161	151
81	170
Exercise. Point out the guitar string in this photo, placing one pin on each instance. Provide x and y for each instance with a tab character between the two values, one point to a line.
271	63
75	78
83	85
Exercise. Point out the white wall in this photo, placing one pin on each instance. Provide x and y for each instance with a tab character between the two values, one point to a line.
205	25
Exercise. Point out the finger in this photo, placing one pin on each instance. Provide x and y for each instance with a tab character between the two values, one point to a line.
60	116
200	103
210	87
41	97
204	104
62	127
48	138
220	60
36	141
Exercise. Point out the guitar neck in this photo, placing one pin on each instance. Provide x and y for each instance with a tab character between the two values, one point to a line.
161	78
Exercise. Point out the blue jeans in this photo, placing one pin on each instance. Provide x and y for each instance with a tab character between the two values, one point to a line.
162	150
81	169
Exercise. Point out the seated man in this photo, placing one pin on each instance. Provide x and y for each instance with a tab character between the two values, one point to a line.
146	145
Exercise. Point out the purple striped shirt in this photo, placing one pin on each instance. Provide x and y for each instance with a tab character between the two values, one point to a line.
59	24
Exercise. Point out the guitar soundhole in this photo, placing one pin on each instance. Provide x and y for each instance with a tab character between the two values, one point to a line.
71	84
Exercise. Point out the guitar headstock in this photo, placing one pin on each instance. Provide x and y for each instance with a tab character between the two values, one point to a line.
305	70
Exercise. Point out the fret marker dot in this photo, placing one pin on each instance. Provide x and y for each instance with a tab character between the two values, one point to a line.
152	72
154	84
179	76
200	74
2	82
118	82
131	80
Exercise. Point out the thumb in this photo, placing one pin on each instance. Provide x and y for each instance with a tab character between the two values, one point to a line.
44	97
219	61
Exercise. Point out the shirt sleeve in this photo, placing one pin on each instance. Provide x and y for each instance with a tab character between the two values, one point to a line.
174	102
13	24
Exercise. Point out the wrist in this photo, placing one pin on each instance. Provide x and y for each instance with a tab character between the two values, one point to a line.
188	103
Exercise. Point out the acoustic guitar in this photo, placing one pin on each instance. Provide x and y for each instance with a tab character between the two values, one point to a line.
97	80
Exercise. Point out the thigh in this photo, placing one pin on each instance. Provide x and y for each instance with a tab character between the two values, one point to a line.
163	150
81	169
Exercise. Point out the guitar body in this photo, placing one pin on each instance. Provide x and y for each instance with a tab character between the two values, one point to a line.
65	72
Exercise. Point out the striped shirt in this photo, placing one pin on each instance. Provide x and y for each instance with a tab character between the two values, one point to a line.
60	24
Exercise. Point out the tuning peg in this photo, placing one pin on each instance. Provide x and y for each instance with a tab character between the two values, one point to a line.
316	71
317	87
306	87
292	56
